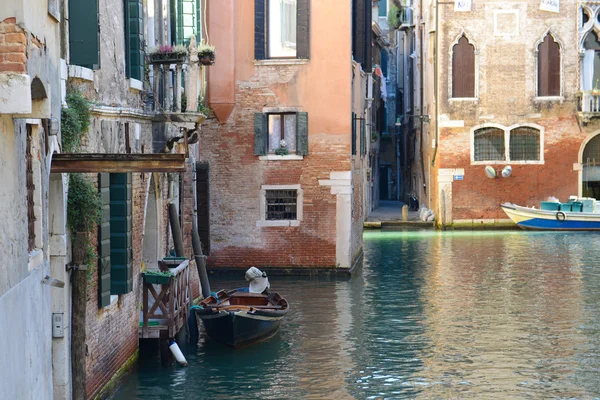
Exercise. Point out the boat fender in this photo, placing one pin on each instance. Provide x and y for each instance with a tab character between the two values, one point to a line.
177	353
560	216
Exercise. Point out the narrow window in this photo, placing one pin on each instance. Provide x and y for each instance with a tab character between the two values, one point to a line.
463	69
489	144
282	131
282	28
134	39
84	33
281	205
591	59
30	190
548	67
524	144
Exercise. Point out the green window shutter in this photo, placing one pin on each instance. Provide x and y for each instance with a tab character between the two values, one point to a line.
363	138
84	33
120	233
382	8
260	134
303	29
260	23
104	242
185	22
302	134
353	134
134	29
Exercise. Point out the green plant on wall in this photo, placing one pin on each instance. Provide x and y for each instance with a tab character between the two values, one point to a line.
75	121
394	17
83	212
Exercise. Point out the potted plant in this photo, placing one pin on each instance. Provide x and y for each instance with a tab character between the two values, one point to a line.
166	54
206	54
157	277
282	150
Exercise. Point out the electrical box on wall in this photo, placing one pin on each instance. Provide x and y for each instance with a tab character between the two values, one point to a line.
57	325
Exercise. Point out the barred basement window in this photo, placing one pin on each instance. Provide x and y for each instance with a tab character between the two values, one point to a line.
524	144
281	205
489	144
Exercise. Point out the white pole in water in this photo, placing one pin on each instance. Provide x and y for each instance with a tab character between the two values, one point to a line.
177	353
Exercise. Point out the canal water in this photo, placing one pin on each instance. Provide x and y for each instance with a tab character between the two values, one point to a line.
490	314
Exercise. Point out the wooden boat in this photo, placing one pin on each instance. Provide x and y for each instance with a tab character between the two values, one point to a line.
579	214
237	317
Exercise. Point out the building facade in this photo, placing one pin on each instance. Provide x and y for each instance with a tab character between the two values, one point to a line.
285	167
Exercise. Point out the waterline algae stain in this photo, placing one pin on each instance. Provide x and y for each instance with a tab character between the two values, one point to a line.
494	314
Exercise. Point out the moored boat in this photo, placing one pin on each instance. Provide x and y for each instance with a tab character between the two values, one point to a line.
239	317
579	214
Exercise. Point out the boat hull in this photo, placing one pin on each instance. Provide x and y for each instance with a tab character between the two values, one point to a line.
532	218
238	318
238	328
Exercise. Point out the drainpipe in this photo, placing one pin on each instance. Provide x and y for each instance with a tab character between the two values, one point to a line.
435	81
421	75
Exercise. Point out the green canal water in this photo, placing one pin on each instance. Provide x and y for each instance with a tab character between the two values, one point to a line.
498	315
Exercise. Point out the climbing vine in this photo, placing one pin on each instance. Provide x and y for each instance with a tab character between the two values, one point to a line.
75	121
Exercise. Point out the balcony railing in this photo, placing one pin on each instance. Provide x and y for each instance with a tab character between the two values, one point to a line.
589	102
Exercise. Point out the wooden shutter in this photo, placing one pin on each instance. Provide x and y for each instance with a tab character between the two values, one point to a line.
84	33
363	137
383	8
134	28
549	68
463	69
260	134
260	24
120	233
203	201
358	30
302	134
104	242
303	29
368	45
353	134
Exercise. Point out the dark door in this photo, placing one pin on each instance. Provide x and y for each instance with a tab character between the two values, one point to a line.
203	200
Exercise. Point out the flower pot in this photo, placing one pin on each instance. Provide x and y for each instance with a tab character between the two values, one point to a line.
166	58
156	279
206	59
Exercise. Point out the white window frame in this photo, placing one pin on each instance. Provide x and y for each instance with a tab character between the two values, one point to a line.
263	222
275	48
507	130
561	96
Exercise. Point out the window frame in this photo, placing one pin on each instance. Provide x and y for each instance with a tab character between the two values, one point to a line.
451	69
560	95
282	115
264	222
507	130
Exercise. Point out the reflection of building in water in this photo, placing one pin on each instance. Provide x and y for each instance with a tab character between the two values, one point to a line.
502	312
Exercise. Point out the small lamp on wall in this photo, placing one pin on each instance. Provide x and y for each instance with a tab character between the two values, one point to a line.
506	171
490	172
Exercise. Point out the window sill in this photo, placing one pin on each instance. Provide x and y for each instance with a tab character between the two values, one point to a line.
463	99
548	98
265	223
75	71
504	162
136	84
274	157
282	61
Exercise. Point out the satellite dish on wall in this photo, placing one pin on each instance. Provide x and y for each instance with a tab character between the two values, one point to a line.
490	172
506	171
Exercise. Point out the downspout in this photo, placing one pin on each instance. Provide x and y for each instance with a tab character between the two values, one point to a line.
421	96
435	82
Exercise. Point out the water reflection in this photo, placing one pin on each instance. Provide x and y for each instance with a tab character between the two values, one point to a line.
431	315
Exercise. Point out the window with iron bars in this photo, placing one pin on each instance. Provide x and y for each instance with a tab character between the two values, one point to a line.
524	144
30	191
281	205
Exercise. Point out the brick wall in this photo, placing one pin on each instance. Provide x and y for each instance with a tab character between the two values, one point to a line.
236	177
506	82
13	47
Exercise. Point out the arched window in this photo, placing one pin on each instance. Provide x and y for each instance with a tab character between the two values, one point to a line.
591	168
524	144
548	67
591	74
463	69
489	144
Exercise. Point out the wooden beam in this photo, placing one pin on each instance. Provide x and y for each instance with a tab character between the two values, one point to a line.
98	162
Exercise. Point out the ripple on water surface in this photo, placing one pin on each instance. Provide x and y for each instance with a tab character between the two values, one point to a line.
431	315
